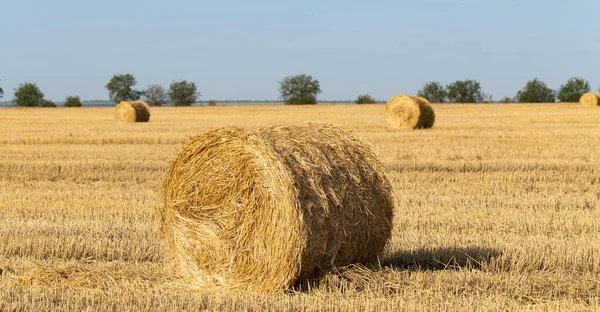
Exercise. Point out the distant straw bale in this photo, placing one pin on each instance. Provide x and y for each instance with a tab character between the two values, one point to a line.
264	209
590	99
132	111
409	112
423	99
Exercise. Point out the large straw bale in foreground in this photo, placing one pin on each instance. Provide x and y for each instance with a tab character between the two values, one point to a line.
409	112
132	111
590	99
263	209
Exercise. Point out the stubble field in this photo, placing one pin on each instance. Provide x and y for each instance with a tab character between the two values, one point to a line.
498	208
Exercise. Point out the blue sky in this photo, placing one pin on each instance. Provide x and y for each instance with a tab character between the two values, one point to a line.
241	49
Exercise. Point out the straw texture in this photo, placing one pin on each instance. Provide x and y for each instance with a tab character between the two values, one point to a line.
263	209
409	112
132	111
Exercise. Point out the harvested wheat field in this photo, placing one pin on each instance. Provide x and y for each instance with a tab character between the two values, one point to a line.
497	208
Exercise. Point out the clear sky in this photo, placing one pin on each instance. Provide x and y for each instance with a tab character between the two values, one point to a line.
240	49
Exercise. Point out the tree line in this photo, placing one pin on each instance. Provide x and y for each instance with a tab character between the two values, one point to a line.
120	88
303	89
534	91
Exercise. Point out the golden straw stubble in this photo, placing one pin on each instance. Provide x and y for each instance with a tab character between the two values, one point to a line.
132	111
264	209
409	112
590	99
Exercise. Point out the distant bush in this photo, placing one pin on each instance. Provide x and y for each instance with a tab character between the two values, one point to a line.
46	103
573	90
72	101
27	95
365	99
433	92
506	100
536	91
155	95
464	91
183	93
212	103
299	89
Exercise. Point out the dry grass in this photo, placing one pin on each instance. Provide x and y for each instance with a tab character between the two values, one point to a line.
264	209
498	209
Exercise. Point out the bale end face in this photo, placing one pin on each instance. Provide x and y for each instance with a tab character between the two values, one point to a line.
261	210
132	111
409	112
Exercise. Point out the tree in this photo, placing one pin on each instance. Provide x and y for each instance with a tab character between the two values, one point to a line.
433	91
1	93
155	95
464	91
46	103
120	88
573	90
299	89
365	99
72	101
183	93
27	94
536	91
506	100
212	103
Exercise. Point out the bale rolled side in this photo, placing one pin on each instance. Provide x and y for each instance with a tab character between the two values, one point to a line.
263	209
409	112
590	99
132	111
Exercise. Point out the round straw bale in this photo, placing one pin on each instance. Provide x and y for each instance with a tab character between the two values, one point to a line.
132	111
263	209
409	112
423	99
590	99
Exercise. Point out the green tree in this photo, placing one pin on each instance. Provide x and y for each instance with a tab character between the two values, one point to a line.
506	100
183	93
120	88
433	91
573	89
536	91
72	101
464	91
46	103
365	99
299	89
27	94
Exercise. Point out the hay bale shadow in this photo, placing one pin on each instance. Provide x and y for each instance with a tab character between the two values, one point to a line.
431	259
382	278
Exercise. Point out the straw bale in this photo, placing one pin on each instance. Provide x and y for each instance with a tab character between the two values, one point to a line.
132	111
409	112
590	99
264	209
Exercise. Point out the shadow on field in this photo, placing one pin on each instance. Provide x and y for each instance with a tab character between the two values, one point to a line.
383	279
440	259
